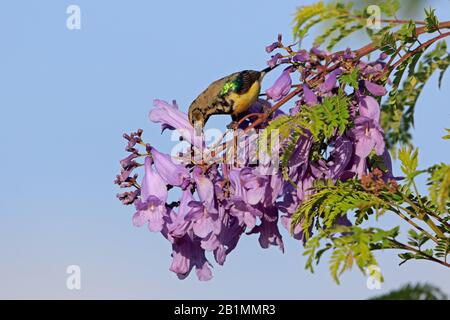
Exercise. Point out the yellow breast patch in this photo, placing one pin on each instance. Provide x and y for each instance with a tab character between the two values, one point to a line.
244	101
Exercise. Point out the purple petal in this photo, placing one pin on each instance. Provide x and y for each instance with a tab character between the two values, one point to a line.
170	116
375	89
181	261
369	108
272	47
378	139
301	56
330	81
204	272
281	87
203	227
151	211
309	96
205	188
274	60
173	174
152	184
364	146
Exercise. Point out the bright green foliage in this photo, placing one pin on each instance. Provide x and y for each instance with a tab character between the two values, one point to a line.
417	239
308	16
432	22
324	119
321	120
344	21
332	201
409	159
443	65
447	137
390	7
348	246
439	185
388	43
398	111
351	78
407	33
442	249
411	65
320	213
395	40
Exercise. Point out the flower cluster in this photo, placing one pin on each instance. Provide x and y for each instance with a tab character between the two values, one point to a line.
216	203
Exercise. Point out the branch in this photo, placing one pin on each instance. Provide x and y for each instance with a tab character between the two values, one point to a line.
409	248
373	46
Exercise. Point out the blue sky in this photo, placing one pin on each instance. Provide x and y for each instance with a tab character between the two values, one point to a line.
66	98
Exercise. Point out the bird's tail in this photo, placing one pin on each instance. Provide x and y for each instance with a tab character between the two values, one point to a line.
267	70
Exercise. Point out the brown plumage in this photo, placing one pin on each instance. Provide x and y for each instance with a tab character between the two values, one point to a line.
232	95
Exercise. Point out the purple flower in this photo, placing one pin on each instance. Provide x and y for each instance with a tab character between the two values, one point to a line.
180	225
219	202
330	81
320	53
368	136
202	220
309	96
188	254
281	87
128	198
338	162
301	56
269	234
272	47
297	233
349	54
274	60
299	161
181	263
228	238
205	189
171	117
375	89
369	107
129	163
254	185
173	174
239	204
151	207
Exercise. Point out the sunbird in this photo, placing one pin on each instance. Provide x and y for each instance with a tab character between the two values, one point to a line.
232	95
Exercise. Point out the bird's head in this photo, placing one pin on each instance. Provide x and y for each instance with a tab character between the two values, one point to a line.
196	118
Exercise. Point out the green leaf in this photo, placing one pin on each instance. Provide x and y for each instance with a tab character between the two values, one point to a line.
388	43
439	185
432	22
390	7
351	78
409	160
447	137
397	117
444	64
407	32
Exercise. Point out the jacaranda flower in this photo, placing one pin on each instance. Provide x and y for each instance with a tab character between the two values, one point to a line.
151	207
281	87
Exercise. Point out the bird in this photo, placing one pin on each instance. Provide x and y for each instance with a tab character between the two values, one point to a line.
232	95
